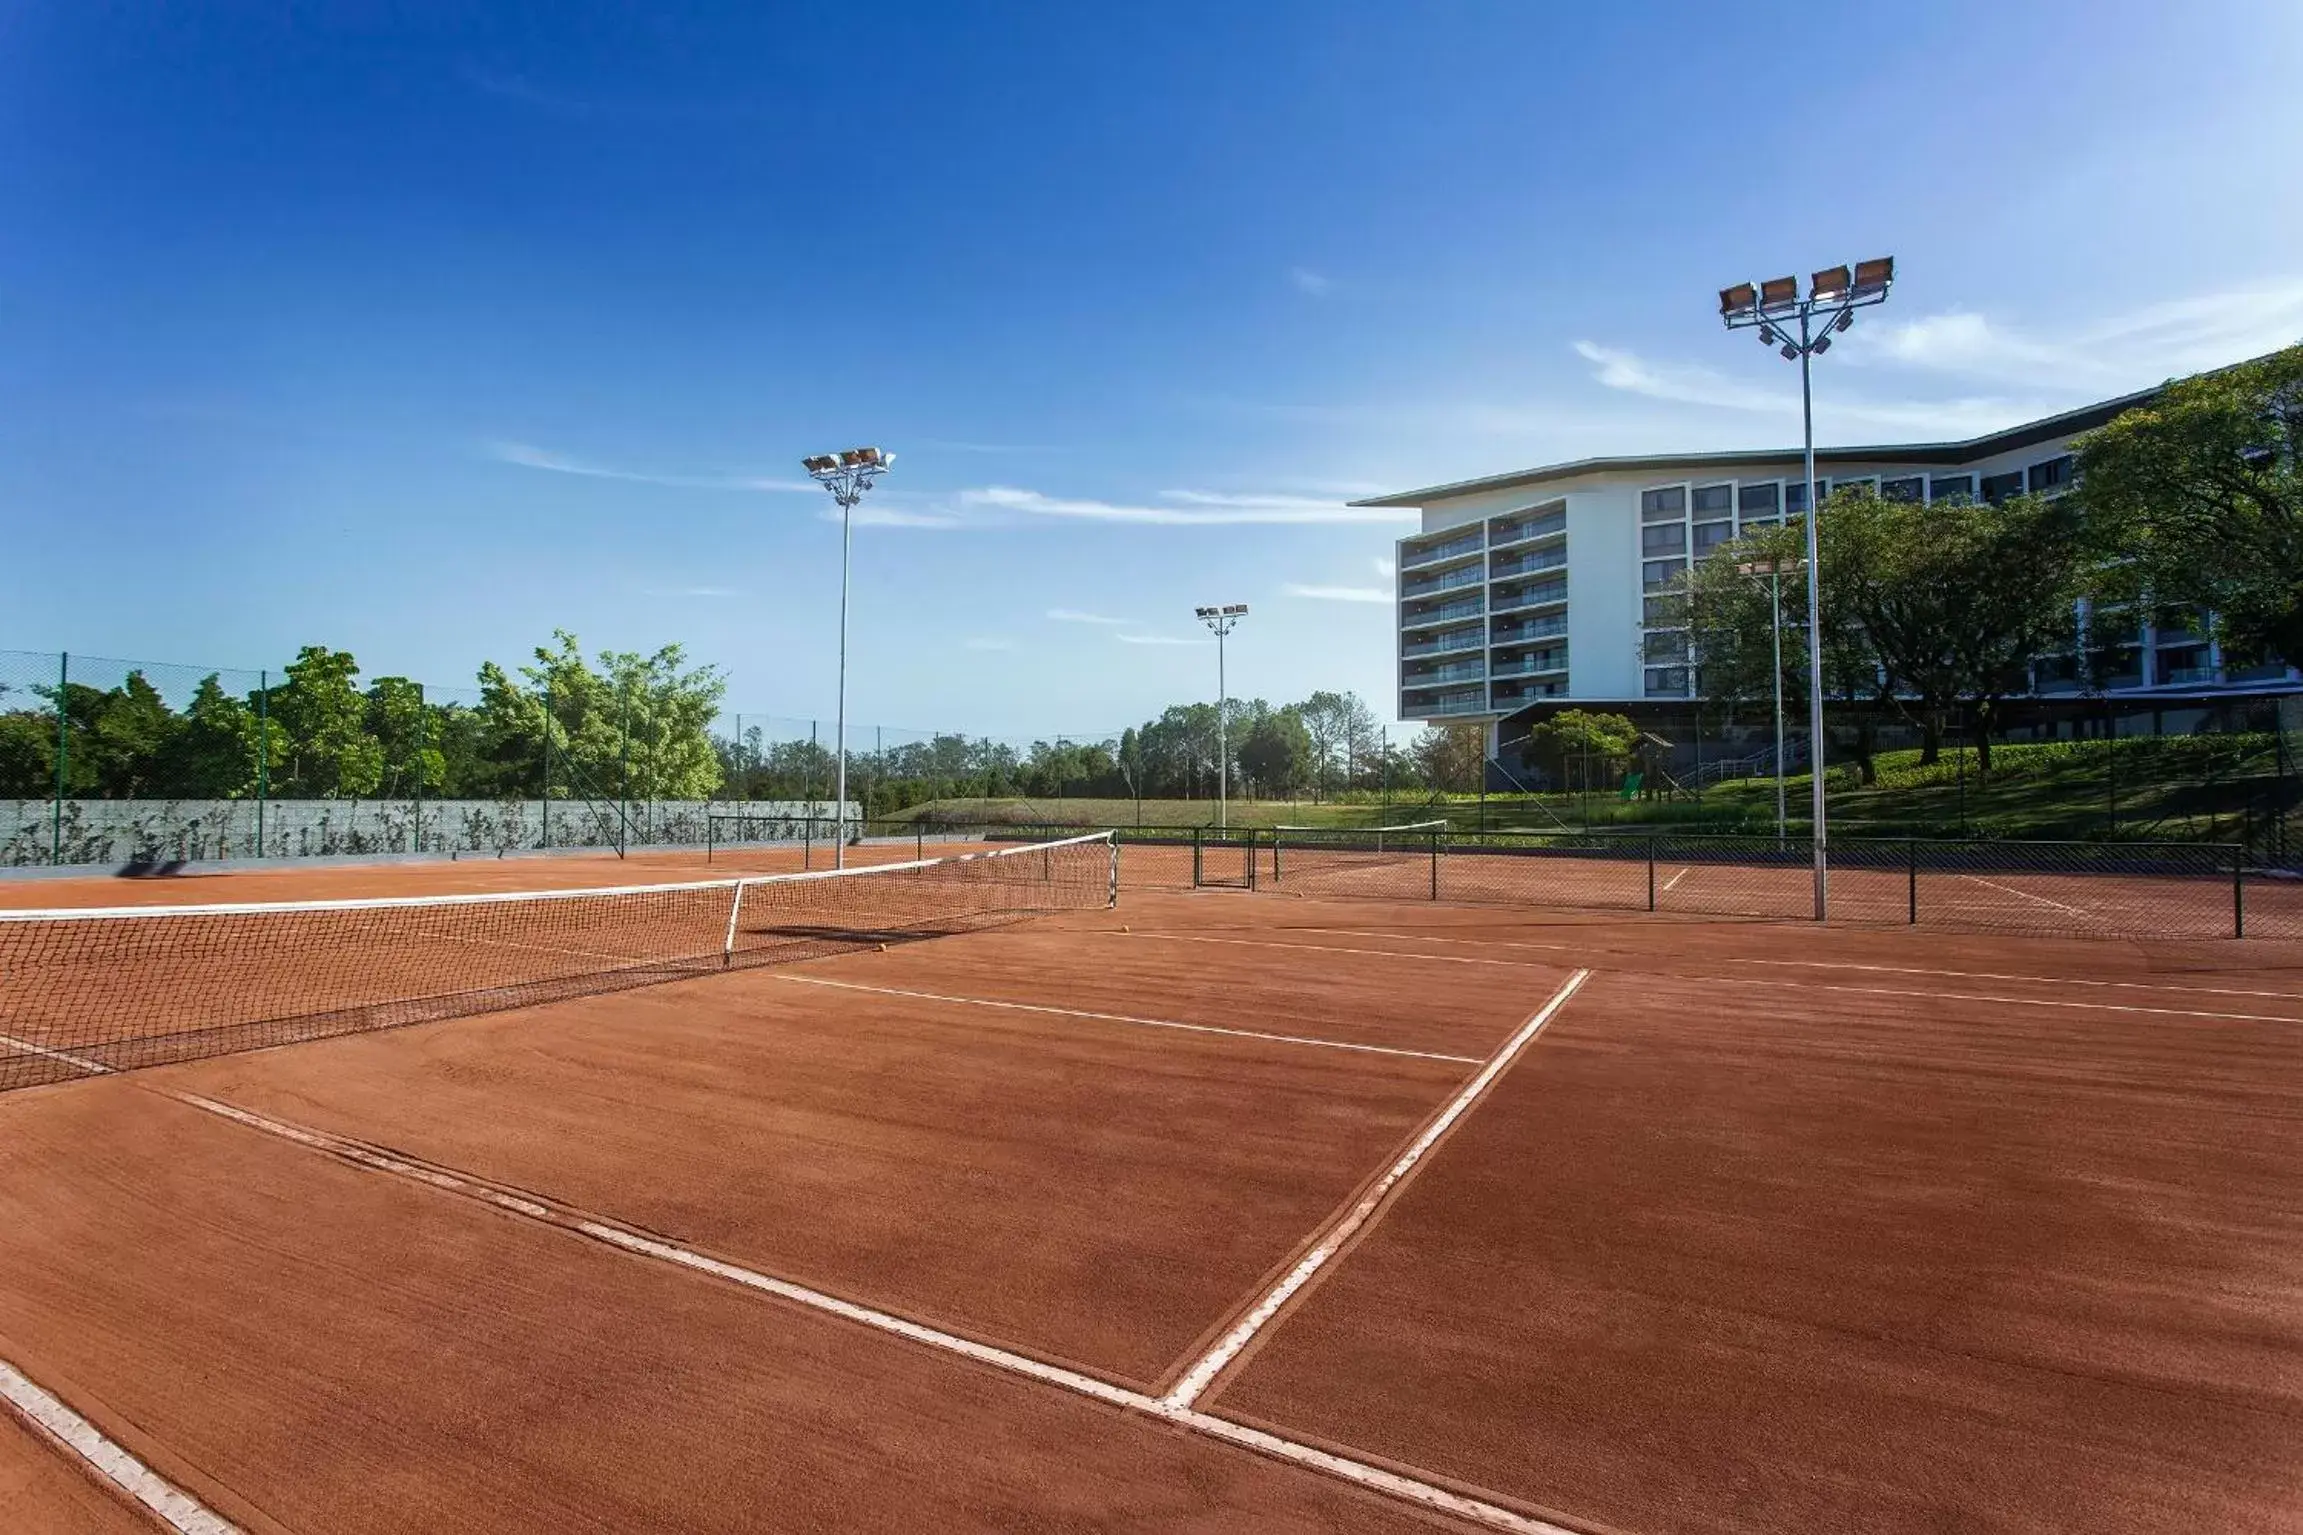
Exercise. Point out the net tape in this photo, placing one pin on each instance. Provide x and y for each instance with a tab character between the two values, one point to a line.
85	991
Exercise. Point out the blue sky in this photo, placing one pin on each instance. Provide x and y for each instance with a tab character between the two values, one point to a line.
424	336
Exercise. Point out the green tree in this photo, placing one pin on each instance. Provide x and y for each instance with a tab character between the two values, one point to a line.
324	715
2199	495
1448	758
402	727
1276	754
218	750
1582	746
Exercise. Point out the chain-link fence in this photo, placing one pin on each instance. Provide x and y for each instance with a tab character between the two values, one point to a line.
2100	890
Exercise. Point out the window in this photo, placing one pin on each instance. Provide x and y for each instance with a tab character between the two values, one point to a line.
1760	501
1869	482
1710	535
1948	486
1795	496
1666	681
1670	645
1664	538
1714	500
1659	610
1998	487
2055	474
1909	487
1663	505
1657	573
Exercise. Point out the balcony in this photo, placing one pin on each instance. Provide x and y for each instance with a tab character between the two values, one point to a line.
1455	671
2187	676
1533	666
1447	581
1445	613
1440	644
1461	703
1432	554
2117	682
1526	530
1527	564
1528	629
2268	671
1540	595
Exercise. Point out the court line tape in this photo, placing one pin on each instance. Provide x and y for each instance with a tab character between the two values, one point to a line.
167	1502
1147	1023
1423	1494
2025	895
1195	1380
1676	878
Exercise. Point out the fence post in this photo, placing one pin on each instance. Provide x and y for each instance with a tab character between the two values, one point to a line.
1911	870
1196	833
2239	891
418	838
63	753
1651	872
807	842
263	753
547	766
1435	836
920	840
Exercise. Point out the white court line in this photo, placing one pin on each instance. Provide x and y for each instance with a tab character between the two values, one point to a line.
170	1504
1147	1023
1203	1372
1676	878
2025	895
2043	980
1969	996
1410	1489
1329	948
11	1042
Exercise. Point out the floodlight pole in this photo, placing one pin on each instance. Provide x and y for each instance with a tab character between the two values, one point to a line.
1220	620
847	476
1769	307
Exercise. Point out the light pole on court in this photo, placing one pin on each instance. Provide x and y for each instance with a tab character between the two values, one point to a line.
1221	621
847	475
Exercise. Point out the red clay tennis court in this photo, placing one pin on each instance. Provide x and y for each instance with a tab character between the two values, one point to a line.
1211	1210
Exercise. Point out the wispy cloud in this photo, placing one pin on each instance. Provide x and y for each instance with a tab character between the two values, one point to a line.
528	456
690	591
1156	639
1682	383
1385	568
1694	384
1337	593
946	445
989	642
879	514
1181	508
1075	616
1313	284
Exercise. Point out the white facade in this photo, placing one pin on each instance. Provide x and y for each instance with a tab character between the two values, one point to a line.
1529	587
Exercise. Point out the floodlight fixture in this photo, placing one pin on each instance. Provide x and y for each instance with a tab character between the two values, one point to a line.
847	474
1833	296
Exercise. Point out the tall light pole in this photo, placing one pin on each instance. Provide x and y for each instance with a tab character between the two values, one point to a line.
1221	621
847	475
1775	570
1832	298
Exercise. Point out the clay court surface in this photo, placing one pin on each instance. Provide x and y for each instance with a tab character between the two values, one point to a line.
1215	1211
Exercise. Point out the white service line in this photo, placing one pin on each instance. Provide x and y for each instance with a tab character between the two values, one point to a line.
1424	1494
1146	1023
11	1042
2042	980
1329	948
1969	996
1481	943
1676	878
2025	895
170	1504
1195	1380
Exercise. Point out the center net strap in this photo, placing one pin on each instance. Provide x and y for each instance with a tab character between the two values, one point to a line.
87	991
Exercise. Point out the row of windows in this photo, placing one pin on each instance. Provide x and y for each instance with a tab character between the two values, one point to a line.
1766	499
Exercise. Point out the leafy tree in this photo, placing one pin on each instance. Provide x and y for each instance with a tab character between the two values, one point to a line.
2200	495
325	717
402	727
1449	757
1278	751
1341	727
219	747
1577	743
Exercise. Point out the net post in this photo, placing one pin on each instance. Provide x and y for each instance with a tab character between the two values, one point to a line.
920	840
1196	834
807	842
1112	898
63	753
735	905
2239	891
263	753
1911	874
711	832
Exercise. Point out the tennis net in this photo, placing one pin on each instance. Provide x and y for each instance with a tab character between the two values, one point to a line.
1331	857
85	992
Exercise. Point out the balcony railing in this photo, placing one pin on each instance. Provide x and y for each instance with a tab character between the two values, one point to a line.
2187	676
1530	668
1503	533
1469	543
1528	629
1468	703
2121	680
2268	671
1447	581
1465	639
1533	597
1456	671
1445	613
1528	564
